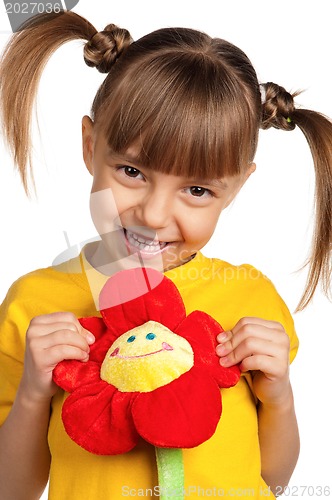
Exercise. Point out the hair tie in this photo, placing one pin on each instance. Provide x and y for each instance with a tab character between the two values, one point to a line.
263	93
105	47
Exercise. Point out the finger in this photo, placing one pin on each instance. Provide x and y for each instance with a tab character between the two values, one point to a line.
59	337
248	325
249	347
224	336
252	331
40	329
56	317
42	325
248	336
90	338
56	354
264	364
47	320
252	320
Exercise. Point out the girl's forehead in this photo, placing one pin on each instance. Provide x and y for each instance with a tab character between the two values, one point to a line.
175	150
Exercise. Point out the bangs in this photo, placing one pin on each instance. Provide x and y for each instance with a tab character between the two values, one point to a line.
184	115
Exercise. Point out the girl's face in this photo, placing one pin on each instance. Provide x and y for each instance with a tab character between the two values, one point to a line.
163	219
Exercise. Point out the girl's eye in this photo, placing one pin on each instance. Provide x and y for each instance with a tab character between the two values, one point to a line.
128	174
131	171
198	191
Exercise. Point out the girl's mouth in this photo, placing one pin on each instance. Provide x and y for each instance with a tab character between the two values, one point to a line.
139	243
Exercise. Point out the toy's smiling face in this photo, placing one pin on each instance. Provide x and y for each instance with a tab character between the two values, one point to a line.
145	358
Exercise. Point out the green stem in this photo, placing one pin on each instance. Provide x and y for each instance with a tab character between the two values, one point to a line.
170	473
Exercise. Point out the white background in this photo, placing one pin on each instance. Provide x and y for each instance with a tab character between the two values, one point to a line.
270	223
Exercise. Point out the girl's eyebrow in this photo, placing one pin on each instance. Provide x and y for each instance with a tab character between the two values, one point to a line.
217	183
124	157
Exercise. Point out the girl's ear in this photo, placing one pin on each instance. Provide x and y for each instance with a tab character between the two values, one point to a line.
251	168
87	142
245	176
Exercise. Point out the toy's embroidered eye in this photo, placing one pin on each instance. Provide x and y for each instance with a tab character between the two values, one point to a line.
131	338
150	336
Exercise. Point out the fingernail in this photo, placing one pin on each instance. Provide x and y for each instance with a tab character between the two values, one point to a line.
221	350
224	361
222	337
90	338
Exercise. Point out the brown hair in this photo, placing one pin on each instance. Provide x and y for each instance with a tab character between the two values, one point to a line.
191	103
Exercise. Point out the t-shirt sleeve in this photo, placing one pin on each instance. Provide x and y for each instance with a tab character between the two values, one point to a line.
257	296
271	306
287	321
14	322
283	315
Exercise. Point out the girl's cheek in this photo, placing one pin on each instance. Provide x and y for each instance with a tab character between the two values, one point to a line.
104	211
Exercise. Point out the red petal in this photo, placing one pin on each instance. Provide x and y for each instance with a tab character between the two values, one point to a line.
182	414
98	418
104	337
99	349
201	331
71	374
141	295
227	377
94	325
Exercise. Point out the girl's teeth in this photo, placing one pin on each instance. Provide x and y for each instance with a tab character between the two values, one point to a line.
143	244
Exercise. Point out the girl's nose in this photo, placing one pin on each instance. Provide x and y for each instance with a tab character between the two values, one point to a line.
155	210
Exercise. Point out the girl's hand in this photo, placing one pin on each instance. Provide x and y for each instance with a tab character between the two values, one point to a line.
262	347
51	338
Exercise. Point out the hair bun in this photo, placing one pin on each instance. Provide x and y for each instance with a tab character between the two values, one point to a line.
277	107
105	47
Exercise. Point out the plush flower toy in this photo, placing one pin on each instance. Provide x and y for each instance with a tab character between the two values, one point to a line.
152	373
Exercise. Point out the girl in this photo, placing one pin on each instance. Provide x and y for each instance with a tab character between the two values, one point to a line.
170	141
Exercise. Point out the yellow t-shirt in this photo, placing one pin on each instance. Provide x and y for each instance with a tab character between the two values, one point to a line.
228	464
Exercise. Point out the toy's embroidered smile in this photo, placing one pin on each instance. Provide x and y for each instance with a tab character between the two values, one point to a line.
164	347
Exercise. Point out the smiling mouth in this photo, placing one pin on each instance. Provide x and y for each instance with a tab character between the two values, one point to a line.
143	244
165	347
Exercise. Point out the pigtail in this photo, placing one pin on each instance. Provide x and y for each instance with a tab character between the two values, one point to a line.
279	111
318	131
23	61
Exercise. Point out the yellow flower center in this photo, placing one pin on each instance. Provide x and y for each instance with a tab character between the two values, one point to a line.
145	358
